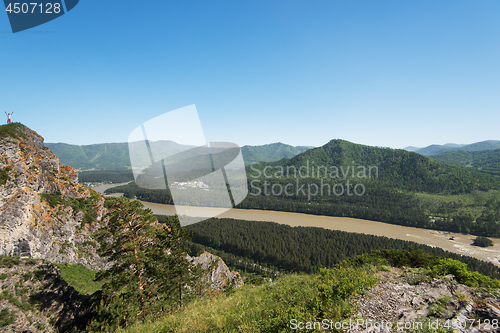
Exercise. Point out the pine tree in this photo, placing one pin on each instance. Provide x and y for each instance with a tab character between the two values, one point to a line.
148	264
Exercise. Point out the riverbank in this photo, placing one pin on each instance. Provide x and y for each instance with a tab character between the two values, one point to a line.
461	244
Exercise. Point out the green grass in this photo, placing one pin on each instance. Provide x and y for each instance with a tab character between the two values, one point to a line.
13	130
12	299
269	307
439	306
9	262
80	278
6	318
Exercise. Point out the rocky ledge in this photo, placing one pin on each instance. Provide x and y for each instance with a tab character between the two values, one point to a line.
34	298
218	274
405	297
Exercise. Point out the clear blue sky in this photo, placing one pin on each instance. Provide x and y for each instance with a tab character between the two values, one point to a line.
385	73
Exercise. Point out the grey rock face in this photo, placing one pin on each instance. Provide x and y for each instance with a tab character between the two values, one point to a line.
46	300
30	224
393	300
218	273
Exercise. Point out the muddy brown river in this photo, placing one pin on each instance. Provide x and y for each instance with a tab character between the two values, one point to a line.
461	244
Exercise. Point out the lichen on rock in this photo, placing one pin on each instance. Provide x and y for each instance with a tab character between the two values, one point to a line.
44	212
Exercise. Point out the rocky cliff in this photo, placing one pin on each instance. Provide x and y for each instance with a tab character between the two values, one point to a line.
218	274
404	300
44	212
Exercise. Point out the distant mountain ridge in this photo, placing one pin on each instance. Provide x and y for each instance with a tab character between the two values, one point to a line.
115	156
271	152
449	147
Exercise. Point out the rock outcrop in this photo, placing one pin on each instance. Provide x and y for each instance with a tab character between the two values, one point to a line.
219	275
36	299
44	212
405	302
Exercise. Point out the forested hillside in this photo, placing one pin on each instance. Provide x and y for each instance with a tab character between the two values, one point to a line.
285	248
271	152
380	184
111	176
115	156
109	156
487	161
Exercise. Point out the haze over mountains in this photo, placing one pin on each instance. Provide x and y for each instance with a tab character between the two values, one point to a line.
115	156
449	147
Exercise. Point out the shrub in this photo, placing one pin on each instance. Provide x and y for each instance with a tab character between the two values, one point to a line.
9	262
439	307
6	318
464	275
482	241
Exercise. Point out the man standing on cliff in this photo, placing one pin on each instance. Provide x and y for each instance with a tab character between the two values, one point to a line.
8	116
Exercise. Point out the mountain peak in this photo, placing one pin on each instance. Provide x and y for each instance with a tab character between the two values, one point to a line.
21	133
45	213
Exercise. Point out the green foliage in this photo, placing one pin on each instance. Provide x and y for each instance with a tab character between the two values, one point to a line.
88	217
339	284
9	262
482	242
487	161
90	243
13	130
416	276
24	305
150	273
464	275
270	307
53	199
432	264
406	190
6	318
80	278
106	176
438	308
4	176
39	275
285	248
64	245
85	205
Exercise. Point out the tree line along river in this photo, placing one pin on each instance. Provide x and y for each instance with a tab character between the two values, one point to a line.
461	244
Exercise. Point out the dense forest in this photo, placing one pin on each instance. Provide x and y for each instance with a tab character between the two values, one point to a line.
115	156
379	184
111	176
293	249
487	161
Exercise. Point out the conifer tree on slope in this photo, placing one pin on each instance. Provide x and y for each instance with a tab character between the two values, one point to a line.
150	270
